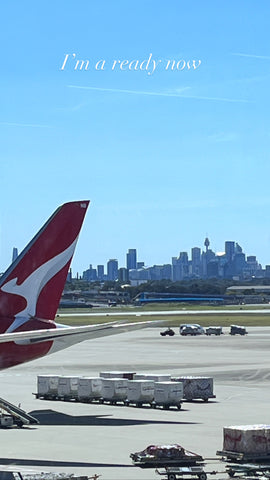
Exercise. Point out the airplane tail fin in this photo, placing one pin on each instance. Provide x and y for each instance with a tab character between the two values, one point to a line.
33	284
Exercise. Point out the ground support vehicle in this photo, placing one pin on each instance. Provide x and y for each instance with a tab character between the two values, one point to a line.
13	416
213	331
191	329
237	330
170	332
175	473
155	456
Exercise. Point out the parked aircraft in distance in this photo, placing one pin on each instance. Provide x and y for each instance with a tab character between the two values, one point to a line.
31	288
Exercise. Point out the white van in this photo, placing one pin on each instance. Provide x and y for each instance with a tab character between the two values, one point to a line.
191	329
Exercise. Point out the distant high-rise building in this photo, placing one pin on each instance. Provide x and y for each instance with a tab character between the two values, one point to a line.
132	259
239	263
100	272
90	275
196	261
14	253
212	269
267	271
229	250
238	249
252	267
69	276
112	269
207	257
180	267
123	276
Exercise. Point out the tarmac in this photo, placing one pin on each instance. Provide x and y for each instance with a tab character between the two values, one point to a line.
89	439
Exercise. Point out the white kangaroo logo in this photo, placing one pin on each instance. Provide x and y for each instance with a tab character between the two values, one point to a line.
32	285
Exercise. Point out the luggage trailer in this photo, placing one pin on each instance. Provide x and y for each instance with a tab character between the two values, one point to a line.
174	473
244	471
245	464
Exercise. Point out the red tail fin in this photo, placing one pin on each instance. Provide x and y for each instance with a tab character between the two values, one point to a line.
33	284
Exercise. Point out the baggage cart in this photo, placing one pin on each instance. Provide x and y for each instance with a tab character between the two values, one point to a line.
245	470
155	456
174	473
244	458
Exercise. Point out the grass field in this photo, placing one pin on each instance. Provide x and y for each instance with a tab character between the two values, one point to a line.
244	317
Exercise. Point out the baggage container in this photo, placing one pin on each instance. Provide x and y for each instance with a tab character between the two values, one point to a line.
196	387
158	377
117	374
213	331
247	439
47	386
168	394
68	387
140	392
114	389
89	389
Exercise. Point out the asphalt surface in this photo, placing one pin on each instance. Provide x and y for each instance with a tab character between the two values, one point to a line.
87	439
183	311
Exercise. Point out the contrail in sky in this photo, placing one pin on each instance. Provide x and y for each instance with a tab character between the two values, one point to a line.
261	57
158	94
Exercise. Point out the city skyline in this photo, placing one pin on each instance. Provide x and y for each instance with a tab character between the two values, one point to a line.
233	262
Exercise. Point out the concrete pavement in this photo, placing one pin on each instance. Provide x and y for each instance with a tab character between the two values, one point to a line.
87	439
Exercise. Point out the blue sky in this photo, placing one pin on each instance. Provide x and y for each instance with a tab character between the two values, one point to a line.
165	156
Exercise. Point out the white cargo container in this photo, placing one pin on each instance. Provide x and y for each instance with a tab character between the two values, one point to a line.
68	387
47	386
140	391
196	387
117	374
247	439
158	377
168	394
114	389
89	388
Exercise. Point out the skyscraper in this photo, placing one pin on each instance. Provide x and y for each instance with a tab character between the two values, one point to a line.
100	272
112	269
132	259
196	261
229	250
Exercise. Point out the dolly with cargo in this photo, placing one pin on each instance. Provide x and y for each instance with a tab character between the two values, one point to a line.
196	387
155	456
